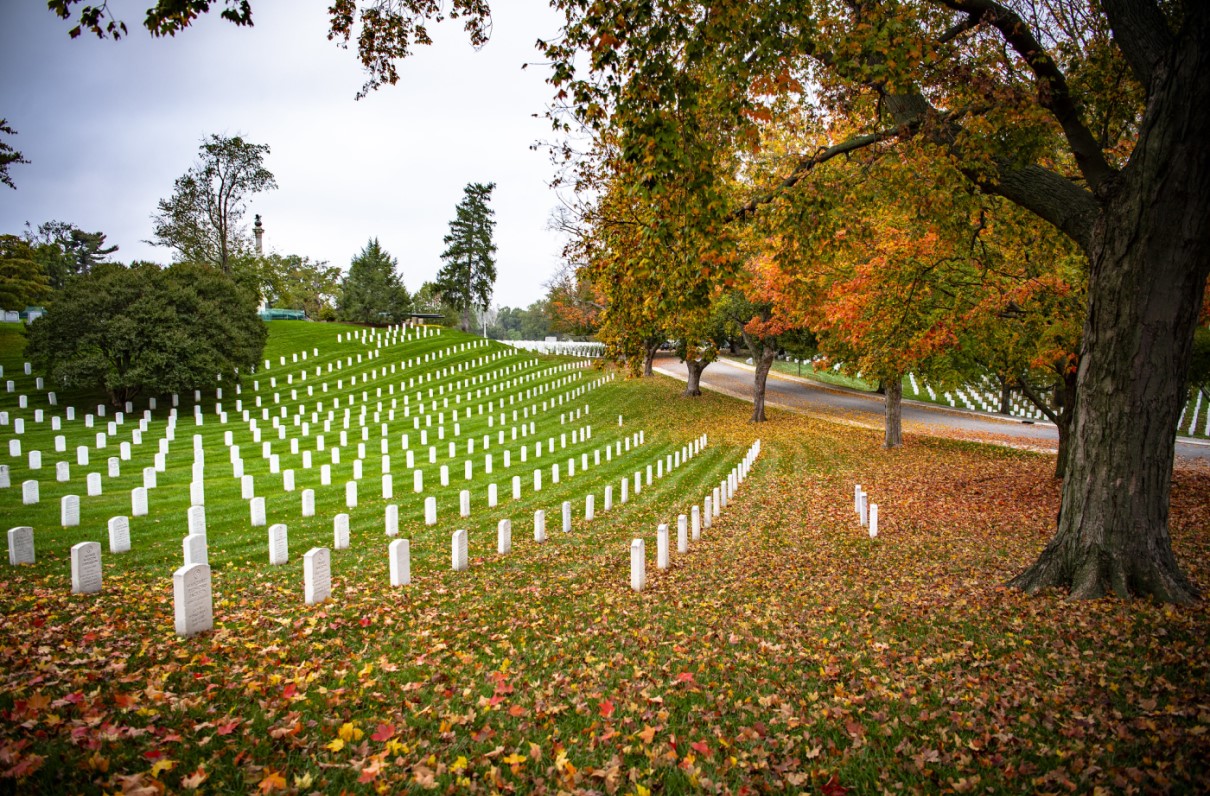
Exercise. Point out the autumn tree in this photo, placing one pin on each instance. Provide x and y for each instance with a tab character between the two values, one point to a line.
201	220
466	279
574	304
1090	115
700	334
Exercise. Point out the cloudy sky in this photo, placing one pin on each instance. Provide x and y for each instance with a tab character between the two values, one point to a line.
107	126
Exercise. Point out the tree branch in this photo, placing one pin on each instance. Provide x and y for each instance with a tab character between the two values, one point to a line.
1053	93
1052	197
1034	399
1142	33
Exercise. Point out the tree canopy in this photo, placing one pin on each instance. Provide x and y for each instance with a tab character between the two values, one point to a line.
201	220
373	291
146	331
468	275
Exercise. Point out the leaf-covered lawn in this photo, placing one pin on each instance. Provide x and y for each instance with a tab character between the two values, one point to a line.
786	651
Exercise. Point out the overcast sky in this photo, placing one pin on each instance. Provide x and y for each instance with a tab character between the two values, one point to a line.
108	126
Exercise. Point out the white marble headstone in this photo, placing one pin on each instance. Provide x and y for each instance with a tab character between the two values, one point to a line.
317	575
21	545
119	534
192	599
279	545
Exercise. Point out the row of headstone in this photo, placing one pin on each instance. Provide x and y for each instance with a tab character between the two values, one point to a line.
867	513
690	525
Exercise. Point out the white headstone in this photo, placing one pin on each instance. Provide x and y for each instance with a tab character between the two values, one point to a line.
682	534
21	545
138	502
661	546
400	552
62	472
308	502
458	555
707	511
638	560
317	575
93	481
464	503
873	520
504	537
340	532
696	522
196	550
392	520
351	494
192	599
539	526
119	534
196	520
69	511
279	545
256	506
430	511
566	516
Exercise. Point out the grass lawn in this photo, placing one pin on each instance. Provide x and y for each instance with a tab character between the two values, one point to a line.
786	651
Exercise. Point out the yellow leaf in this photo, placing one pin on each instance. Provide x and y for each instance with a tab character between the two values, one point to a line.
349	732
648	734
161	766
272	781
639	790
336	745
459	764
514	759
303	782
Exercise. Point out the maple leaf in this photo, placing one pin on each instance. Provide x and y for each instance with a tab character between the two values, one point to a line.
303	781
384	733
336	744
647	734
228	728
833	787
513	759
160	766
272	781
194	781
605	708
516	710
349	732
370	772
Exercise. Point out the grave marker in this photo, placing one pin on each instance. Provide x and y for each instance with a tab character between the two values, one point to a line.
661	546
539	526
279	545
257	508
196	551
196	520
138	502
317	575
504	537
119	534
340	532
21	545
192	599
682	534
638	560
459	551
400	553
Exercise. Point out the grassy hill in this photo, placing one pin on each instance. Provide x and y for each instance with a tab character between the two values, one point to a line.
785	651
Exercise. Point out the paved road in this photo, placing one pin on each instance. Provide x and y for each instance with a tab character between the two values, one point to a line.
864	409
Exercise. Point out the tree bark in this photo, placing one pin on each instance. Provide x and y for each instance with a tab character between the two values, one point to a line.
649	352
763	363
893	436
1006	397
693	388
1148	271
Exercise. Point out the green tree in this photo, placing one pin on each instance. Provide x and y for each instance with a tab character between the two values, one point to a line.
300	283
65	250
147	330
8	155
469	273
201	220
373	291
22	279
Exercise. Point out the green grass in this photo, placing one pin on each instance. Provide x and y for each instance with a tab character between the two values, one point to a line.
784	652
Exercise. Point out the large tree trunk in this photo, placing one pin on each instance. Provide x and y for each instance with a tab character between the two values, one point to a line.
893	437
693	388
1148	269
763	363
649	352
1006	397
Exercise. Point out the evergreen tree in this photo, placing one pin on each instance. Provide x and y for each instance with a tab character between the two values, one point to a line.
466	279
372	291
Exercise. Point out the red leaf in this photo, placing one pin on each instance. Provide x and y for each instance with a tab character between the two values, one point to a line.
700	747
606	708
228	728
383	733
833	787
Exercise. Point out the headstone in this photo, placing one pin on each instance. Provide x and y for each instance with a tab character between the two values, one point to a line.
392	520
516	487
464	503
119	534
317	575
197	493
62	472
192	599
247	487
5	477
682	534
625	487
388	487
400	552
257	508
35	460
149	478
308	502
638	559
196	520
82	455
696	522
21	545
279	545
661	546
539	526
93	482
138	502
196	551
566	516
69	511
589	508
459	551
351	494
873	520
504	537
430	511
115	467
